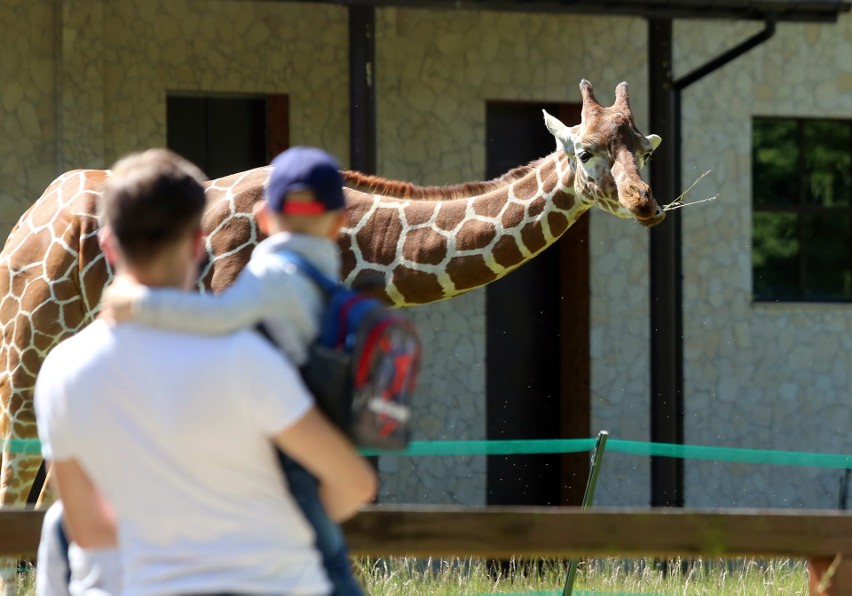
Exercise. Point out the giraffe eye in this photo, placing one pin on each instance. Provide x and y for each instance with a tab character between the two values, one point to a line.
584	156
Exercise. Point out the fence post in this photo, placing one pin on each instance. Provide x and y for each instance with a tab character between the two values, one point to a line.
830	577
588	499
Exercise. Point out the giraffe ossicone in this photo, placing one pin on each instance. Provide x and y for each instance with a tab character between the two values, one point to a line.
426	243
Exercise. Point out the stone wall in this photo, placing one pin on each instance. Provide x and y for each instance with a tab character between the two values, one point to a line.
85	81
769	376
27	108
151	48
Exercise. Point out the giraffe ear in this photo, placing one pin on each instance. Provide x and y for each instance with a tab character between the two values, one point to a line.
562	133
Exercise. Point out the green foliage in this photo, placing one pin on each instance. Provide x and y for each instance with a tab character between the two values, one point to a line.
802	195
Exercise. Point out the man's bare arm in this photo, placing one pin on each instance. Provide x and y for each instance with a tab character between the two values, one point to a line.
89	518
346	480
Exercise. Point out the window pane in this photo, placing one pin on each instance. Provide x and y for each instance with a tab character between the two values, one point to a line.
775	250
802	235
236	127
186	130
828	162
827	254
774	162
222	135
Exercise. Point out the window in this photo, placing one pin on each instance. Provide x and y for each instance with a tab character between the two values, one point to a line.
802	210
227	134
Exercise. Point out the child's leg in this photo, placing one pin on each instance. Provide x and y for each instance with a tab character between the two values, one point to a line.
329	538
64	568
53	572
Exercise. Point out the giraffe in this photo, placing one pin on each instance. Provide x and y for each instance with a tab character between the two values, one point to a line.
426	243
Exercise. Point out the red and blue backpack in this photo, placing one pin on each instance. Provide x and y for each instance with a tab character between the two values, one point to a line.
363	367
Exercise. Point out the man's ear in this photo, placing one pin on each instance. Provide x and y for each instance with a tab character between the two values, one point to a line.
261	216
199	246
339	222
106	240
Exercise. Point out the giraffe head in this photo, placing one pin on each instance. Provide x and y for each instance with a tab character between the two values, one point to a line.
607	152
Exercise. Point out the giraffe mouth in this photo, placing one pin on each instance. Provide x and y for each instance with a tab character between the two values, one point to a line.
649	222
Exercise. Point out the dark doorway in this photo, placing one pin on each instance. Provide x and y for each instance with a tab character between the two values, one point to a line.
535	353
225	135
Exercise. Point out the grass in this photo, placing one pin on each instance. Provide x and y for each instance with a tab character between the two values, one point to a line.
602	577
26	580
398	577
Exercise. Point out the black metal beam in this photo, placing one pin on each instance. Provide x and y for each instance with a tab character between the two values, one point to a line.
362	88
665	274
667	407
721	60
781	10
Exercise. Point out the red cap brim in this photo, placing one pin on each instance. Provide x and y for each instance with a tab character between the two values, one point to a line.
296	208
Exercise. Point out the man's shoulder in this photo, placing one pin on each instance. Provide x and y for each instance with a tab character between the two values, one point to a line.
84	345
72	362
248	340
253	341
258	354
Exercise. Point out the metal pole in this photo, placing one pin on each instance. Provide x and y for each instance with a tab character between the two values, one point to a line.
588	500
362	89
665	273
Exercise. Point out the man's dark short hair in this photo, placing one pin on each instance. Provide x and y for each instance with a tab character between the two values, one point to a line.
150	200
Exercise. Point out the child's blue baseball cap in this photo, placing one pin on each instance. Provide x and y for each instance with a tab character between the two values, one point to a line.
305	168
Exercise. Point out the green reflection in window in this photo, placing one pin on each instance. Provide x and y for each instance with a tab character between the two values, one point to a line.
802	200
775	155
775	250
828	162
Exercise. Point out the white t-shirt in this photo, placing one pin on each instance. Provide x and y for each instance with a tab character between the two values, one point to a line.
176	430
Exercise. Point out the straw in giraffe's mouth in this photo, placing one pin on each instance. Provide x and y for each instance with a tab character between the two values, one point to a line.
679	203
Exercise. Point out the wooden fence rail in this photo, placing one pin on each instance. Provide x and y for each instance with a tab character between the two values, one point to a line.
821	537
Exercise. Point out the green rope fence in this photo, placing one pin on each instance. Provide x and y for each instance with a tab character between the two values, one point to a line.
530	447
465	448
727	454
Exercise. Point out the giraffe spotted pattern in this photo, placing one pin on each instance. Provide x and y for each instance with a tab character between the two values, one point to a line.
457	245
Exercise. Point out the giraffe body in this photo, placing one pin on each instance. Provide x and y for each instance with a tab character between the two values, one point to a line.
426	244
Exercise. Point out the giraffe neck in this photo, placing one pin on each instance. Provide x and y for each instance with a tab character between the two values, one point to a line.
437	247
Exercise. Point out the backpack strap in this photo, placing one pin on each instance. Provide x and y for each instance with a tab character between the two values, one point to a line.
64	544
263	330
326	284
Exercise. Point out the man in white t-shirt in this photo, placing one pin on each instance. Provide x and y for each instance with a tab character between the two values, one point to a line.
162	443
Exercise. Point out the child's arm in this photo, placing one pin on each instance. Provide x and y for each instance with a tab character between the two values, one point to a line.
246	302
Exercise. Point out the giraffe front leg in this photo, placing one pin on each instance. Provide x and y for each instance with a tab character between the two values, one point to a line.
21	357
21	459
50	272
46	497
22	469
18	474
